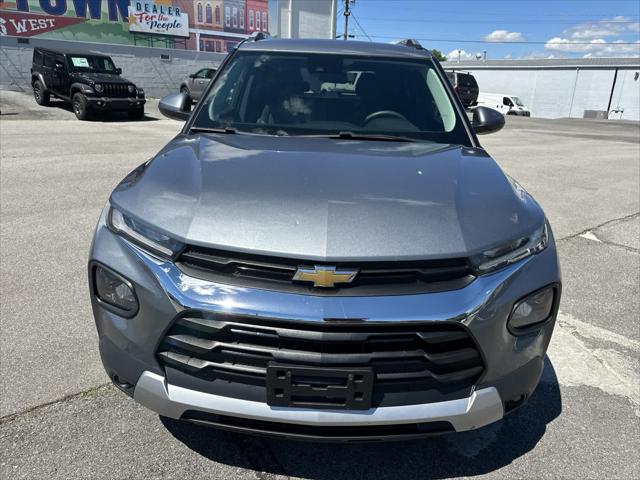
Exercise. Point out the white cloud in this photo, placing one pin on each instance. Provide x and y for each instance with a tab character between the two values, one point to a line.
503	36
597	47
452	56
610	37
610	27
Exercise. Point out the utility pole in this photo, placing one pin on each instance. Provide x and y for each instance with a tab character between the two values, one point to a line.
347	12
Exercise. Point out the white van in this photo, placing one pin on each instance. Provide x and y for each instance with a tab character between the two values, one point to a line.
506	104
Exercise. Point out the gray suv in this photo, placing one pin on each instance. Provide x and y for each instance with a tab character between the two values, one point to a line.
325	252
194	84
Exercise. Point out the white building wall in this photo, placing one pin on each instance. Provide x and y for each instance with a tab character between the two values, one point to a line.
552	93
593	88
303	18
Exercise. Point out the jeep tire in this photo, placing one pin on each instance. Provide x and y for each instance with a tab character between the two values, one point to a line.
80	106
40	93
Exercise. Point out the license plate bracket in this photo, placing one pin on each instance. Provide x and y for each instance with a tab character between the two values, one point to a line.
312	387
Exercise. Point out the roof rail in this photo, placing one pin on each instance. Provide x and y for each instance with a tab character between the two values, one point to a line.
257	36
254	37
410	43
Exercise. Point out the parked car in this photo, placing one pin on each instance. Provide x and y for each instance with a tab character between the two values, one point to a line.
193	85
338	263
465	86
90	82
507	104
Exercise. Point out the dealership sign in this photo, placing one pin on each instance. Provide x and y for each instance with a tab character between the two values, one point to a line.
18	24
158	18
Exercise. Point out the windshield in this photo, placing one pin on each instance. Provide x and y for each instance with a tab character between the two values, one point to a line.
92	64
517	101
316	94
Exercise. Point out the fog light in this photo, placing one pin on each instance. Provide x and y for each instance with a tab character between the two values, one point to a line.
531	310
114	290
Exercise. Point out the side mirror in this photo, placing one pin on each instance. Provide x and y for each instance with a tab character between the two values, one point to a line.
118	71
192	75
176	106
486	120
59	67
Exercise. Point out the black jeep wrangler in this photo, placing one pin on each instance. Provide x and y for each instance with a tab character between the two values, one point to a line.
91	82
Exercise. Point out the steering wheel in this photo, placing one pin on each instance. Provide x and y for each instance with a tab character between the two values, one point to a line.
385	113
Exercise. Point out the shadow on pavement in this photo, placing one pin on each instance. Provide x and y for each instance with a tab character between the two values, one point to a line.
455	455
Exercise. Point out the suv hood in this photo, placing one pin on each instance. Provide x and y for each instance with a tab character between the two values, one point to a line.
103	78
327	199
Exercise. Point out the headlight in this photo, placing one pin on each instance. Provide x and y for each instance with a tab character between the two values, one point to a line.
532	310
131	89
511	252
98	88
147	237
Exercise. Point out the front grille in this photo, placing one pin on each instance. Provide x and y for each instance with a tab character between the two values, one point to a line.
116	90
373	278
404	357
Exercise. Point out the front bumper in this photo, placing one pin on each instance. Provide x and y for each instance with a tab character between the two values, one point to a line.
119	104
484	406
513	364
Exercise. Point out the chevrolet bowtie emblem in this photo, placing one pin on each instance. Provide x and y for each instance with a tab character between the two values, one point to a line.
323	276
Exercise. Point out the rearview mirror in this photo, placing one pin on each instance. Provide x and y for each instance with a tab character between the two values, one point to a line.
486	120
176	106
118	71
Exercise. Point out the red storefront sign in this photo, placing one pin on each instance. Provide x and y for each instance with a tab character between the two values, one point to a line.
18	24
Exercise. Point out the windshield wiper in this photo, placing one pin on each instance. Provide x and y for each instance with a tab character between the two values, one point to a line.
365	136
213	130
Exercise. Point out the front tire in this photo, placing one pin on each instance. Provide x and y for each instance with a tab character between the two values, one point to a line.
136	114
40	94
80	106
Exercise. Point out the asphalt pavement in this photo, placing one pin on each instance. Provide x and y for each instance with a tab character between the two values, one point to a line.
59	417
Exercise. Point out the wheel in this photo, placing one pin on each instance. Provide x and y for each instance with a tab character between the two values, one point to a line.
136	114
40	94
80	107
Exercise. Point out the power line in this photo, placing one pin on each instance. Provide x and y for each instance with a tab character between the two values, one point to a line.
361	29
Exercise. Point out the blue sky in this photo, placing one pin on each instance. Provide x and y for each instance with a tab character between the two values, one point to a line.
554	28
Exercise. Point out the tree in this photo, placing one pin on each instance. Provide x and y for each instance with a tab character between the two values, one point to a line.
438	54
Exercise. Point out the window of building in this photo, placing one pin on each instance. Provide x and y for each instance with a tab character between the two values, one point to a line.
257	20
199	9
227	16
208	15
242	18
218	46
235	17
250	19
217	14
264	21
